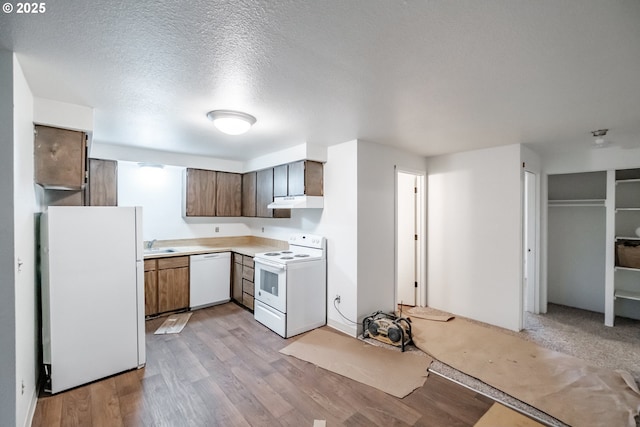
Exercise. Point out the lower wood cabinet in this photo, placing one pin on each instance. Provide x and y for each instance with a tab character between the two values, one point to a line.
243	280
166	284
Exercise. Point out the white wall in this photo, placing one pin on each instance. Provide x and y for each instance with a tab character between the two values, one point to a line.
7	251
299	152
27	336
376	223
475	234
62	115
159	192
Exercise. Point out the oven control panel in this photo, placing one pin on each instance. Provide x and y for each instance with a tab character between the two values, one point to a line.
308	240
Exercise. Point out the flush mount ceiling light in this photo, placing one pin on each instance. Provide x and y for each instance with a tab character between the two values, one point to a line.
598	137
231	122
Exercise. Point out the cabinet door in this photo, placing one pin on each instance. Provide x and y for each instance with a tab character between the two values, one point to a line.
150	293
249	194
150	287
228	194
306	177
280	185
264	193
60	158
296	178
236	290
173	289
103	187
200	193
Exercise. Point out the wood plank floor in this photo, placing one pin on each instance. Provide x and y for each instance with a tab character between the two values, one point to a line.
224	369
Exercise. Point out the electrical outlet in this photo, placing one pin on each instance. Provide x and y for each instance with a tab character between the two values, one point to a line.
263	229
217	229
22	387
337	299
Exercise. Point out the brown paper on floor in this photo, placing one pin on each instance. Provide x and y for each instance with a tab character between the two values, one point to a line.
563	386
501	416
362	362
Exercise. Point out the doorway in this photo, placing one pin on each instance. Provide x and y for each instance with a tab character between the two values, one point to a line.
410	240
530	292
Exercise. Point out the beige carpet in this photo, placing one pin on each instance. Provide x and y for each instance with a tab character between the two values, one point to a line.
361	362
501	416
563	386
174	324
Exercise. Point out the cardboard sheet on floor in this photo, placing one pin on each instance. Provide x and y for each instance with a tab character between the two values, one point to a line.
563	386
424	314
362	362
501	416
174	324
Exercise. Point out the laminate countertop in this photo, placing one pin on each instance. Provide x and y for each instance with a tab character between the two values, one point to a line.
245	245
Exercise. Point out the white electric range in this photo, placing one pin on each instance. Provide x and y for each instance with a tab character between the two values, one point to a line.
291	286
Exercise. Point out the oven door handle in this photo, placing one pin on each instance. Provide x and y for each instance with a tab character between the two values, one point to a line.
269	264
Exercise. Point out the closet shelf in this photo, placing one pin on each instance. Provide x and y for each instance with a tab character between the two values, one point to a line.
627	294
625	181
576	202
627	209
627	238
627	268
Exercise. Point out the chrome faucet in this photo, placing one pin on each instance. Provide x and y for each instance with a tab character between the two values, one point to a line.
150	244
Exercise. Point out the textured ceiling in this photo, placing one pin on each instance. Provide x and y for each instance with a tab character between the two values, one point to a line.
429	76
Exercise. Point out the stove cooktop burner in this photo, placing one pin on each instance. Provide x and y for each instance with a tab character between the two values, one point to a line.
272	253
301	255
286	257
287	252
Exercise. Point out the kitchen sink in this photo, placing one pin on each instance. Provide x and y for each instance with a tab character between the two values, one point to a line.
159	251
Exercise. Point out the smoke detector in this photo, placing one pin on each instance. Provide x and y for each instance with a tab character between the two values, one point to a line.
598	138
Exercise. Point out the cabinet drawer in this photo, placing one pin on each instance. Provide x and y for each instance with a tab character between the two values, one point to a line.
237	258
150	265
247	260
247	300
173	262
247	286
247	273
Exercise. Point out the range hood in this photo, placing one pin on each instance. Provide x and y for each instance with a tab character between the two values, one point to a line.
297	202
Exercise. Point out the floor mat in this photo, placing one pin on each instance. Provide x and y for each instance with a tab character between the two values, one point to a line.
393	372
174	324
563	386
501	416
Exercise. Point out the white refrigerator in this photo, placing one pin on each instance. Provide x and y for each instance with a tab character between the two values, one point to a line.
92	293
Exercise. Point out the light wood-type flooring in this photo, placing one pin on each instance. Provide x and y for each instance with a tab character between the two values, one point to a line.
224	369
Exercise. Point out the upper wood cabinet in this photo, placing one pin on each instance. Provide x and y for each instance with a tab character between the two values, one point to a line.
228	194
305	177
264	196
103	183
60	158
212	193
200	192
264	193
280	184
249	194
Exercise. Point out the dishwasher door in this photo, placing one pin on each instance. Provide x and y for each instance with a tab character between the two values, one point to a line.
209	279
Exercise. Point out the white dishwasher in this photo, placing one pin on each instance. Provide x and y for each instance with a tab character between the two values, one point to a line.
209	279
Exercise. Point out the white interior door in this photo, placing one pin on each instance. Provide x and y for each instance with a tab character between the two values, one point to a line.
529	249
406	228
